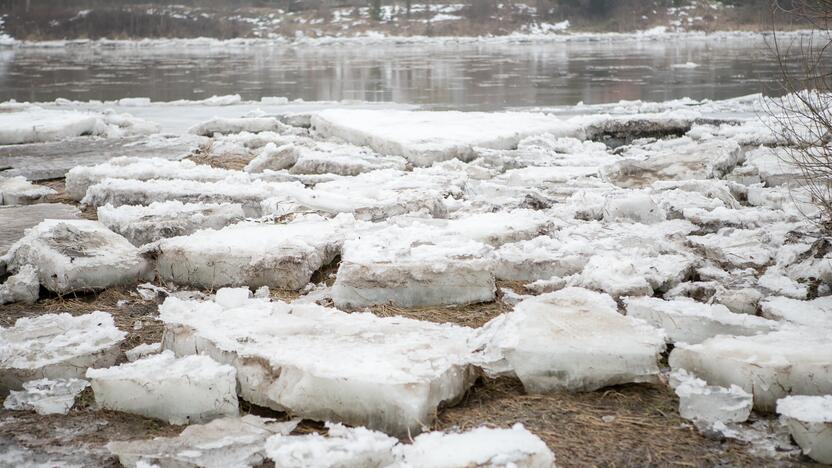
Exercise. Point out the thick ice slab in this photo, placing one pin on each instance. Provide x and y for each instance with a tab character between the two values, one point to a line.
46	396
28	124
145	224
427	137
345	160
574	340
221	443
342	447
282	256
185	390
21	287
14	220
389	374
19	191
708	404
483	446
56	346
274	158
809	419
77	255
795	361
816	313
692	322
239	125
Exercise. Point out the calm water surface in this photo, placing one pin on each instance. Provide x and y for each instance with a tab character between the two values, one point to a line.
473	76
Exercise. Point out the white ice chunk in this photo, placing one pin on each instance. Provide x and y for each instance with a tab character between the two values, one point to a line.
274	158
142	350
388	374
56	347
573	339
185	390
77	255
427	137
790	361
692	322
540	258
222	443
816	313
480	447
809	419
22	287
19	191
231	298
342	447
145	224
637	207
707	404
46	396
33	124
346	160
239	125
774	166
740	248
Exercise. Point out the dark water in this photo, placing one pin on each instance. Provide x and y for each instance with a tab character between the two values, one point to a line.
441	76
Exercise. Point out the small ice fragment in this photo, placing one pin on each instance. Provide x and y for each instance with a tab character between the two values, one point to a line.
46	396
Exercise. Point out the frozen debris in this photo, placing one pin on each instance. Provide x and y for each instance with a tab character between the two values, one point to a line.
574	340
675	159
56	346
636	207
222	443
249	194
411	267
482	447
707	404
281	256
77	255
794	361
692	322
142	350
145	224
46	396
389	374
274	158
80	178
23	287
424	138
342	447
185	390
809	419
19	191
238	125
816	313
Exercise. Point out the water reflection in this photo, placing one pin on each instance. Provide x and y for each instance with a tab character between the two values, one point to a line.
448	76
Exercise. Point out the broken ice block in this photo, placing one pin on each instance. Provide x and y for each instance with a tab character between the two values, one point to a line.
19	191
46	396
815	313
692	322
540	258
274	158
222	443
707	404
142	350
145	224
77	255
636	207
481	447
282	256
793	361
342	447
184	390
56	346
809	419
239	125
573	339
411	267
22	287
389	374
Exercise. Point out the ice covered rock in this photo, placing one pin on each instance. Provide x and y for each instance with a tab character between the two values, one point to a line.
22	287
342	447
675	159
46	396
239	125
19	191
816	313
56	346
707	404
793	361
413	266
185	390
274	158
221	443
142	350
77	255
693	322
573	339
481	447
427	137
637	207
282	256
388	374
145	224
809	419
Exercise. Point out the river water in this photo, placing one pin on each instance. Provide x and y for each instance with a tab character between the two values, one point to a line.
441	76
